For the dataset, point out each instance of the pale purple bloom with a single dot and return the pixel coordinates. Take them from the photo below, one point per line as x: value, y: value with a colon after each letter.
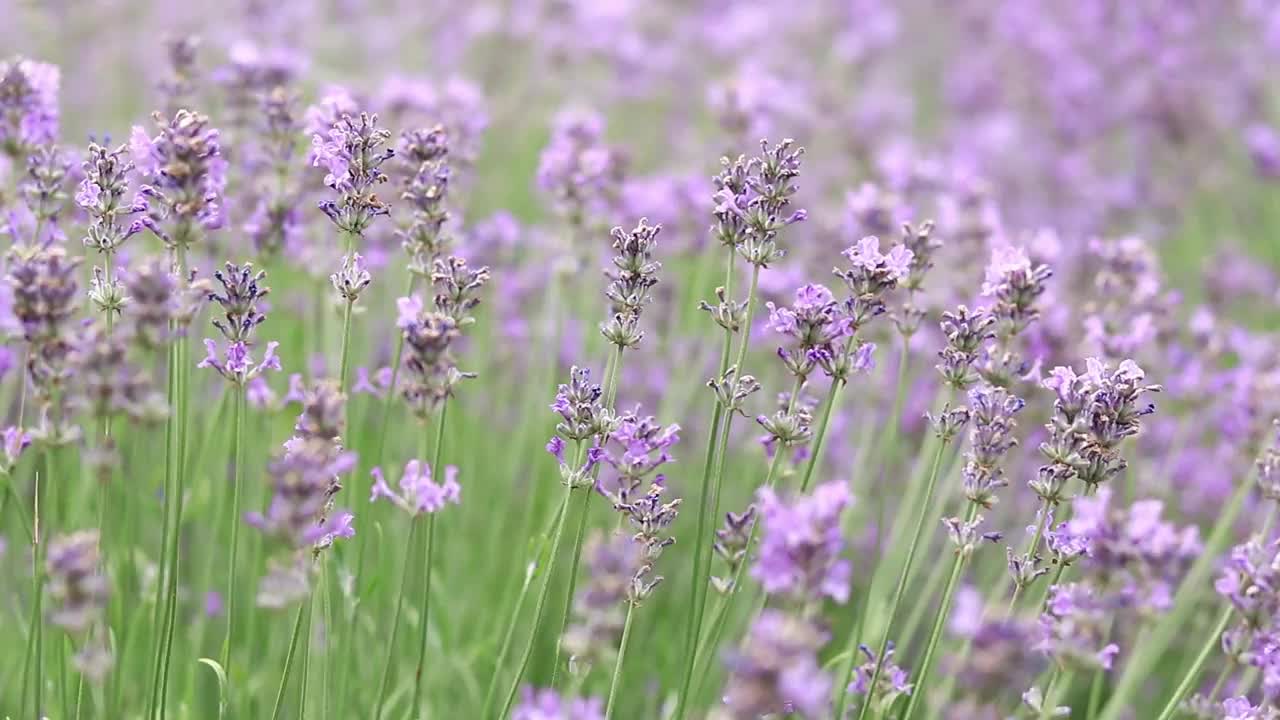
x: 236, y: 363
x: 28, y: 105
x: 776, y: 670
x: 546, y: 704
x: 15, y: 441
x: 801, y: 544
x: 419, y: 493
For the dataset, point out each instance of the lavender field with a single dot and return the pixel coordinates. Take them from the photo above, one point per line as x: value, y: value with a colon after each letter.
x: 640, y: 360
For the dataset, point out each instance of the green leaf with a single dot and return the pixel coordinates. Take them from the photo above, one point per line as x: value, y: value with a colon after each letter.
x: 222, y: 683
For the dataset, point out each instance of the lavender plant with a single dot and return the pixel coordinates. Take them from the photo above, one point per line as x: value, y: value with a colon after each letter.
x: 1075, y: 213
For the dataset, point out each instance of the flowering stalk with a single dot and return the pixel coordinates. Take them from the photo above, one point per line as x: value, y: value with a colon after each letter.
x: 944, y: 612
x: 898, y: 593
x: 1192, y: 676
x: 617, y: 667
x: 425, y: 612
x: 753, y: 204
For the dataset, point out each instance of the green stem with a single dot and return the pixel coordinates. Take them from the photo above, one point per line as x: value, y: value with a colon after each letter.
x: 1030, y: 554
x: 614, y: 369
x: 405, y: 574
x: 574, y: 561
x: 35, y: 635
x: 288, y: 658
x: 719, y: 618
x: 940, y: 620
x: 851, y: 644
x: 513, y: 620
x: 697, y: 587
x: 237, y: 452
x: 1153, y: 644
x: 617, y: 666
x: 426, y: 570
x: 1095, y: 692
x: 833, y: 399
x: 343, y: 365
x: 1193, y: 673
x: 539, y: 607
x: 1059, y: 683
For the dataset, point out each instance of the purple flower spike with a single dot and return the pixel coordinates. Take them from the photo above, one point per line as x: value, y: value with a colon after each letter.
x: 419, y: 493
x: 801, y: 544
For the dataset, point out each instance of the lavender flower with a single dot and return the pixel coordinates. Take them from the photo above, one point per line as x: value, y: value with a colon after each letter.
x: 28, y: 105
x: 44, y: 293
x: 424, y: 155
x: 1139, y: 556
x: 458, y: 288
x: 187, y: 174
x: 13, y: 441
x: 753, y: 201
x: 179, y: 86
x: 637, y: 448
x: 776, y: 671
x: 431, y: 371
x: 101, y: 194
x: 578, y: 170
x: 871, y: 276
x: 651, y: 518
x: 891, y: 685
x: 1240, y: 708
x: 351, y: 152
x: 430, y: 334
x: 1074, y: 626
x: 1250, y: 581
x: 275, y: 222
x: 801, y: 545
x: 78, y: 594
x: 991, y: 436
x: 731, y: 546
x: 612, y: 565
x: 352, y: 278
x: 582, y: 414
x: 1109, y: 411
x: 419, y: 493
x: 105, y: 378
x: 161, y: 304
x: 1016, y: 285
x: 546, y: 704
x: 237, y: 364
x: 813, y: 321
x: 633, y: 275
x: 44, y: 191
x: 306, y: 477
x: 966, y: 331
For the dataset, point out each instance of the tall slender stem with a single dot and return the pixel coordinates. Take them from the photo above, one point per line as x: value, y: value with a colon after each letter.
x: 540, y: 606
x: 288, y: 658
x: 719, y: 617
x: 696, y: 586
x: 514, y: 619
x: 426, y: 569
x: 702, y: 548
x: 1192, y: 675
x: 612, y: 374
x: 940, y: 619
x: 833, y: 399
x: 1153, y: 644
x: 237, y: 452
x: 617, y: 666
x: 343, y: 363
x: 1059, y: 683
x: 898, y: 593
x: 405, y: 574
